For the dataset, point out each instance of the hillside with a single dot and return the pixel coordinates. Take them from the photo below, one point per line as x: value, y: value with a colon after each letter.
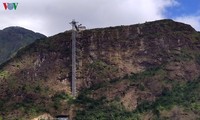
x: 14, y: 38
x: 144, y: 71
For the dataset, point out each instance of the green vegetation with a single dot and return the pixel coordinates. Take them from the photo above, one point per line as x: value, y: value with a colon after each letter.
x: 4, y: 74
x: 29, y: 99
x: 195, y: 37
x: 183, y: 56
x: 36, y: 103
x: 186, y: 95
x: 147, y: 74
x: 101, y: 70
x: 59, y: 97
x: 102, y: 110
x: 32, y: 105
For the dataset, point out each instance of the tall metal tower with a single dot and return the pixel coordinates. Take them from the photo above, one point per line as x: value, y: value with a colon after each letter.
x: 74, y: 29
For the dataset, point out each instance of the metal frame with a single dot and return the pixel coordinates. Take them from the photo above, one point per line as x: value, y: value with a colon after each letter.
x: 74, y: 29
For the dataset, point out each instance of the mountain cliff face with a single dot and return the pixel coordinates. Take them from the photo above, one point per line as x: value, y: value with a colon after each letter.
x: 143, y: 71
x: 14, y: 38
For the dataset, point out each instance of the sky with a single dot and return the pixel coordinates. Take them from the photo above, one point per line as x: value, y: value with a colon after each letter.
x: 51, y: 17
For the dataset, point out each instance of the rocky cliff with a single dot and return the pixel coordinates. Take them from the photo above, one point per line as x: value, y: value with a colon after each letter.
x: 143, y: 71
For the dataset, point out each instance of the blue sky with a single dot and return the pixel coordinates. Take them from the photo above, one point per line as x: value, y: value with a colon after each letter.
x: 187, y: 11
x: 184, y: 8
x: 53, y: 16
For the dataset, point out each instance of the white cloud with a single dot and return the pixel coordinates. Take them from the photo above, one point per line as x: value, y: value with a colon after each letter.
x: 53, y: 16
x: 193, y: 20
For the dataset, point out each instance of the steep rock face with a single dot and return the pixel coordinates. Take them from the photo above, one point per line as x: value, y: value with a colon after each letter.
x: 43, y: 69
x: 14, y: 38
x: 130, y: 49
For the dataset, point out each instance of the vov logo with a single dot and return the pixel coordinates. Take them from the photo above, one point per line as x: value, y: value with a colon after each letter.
x: 10, y: 6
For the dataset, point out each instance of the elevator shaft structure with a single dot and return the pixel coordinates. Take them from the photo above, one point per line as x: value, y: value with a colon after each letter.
x: 73, y: 82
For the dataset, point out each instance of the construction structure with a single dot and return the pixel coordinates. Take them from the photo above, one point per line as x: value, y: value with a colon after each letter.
x: 73, y: 82
x: 75, y: 29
